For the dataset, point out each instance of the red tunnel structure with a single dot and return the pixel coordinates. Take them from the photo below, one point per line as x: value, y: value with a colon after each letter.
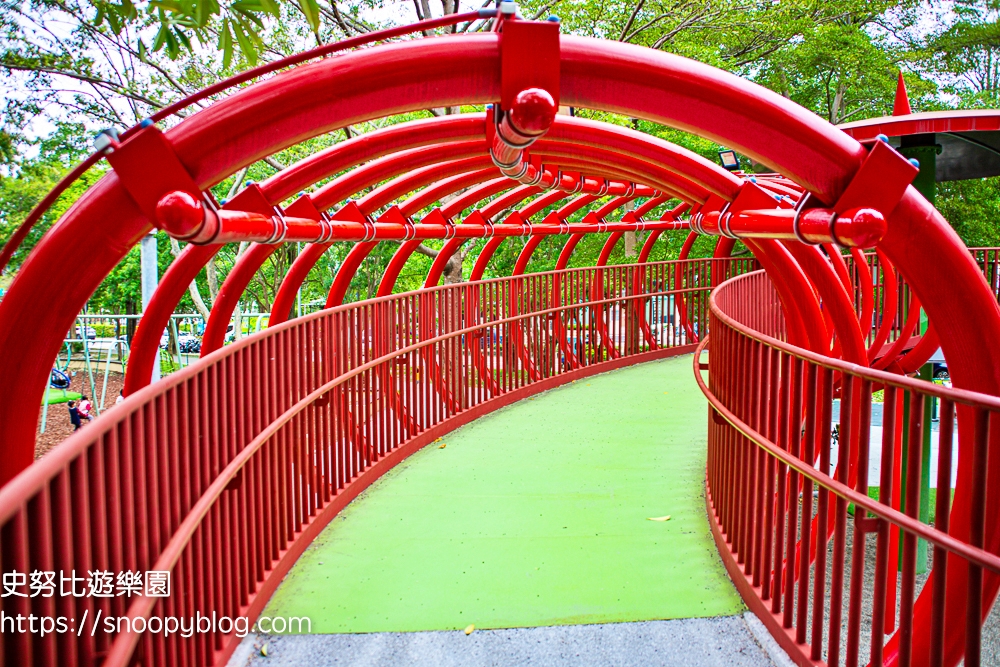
x: 224, y: 472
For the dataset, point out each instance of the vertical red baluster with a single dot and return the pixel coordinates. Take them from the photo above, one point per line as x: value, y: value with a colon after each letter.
x: 883, y: 549
x: 794, y: 442
x: 942, y: 509
x: 913, y: 463
x: 808, y: 456
x: 822, y: 511
x: 977, y: 528
x: 858, y: 554
x: 782, y: 441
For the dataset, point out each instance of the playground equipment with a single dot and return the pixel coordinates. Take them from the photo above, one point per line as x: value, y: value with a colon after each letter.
x: 58, y: 378
x: 224, y: 472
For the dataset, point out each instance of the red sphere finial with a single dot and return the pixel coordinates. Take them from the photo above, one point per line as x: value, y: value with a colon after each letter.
x: 533, y: 111
x: 179, y: 213
x: 860, y: 228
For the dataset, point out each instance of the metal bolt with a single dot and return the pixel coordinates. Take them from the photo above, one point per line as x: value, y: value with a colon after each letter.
x: 915, y: 162
x: 105, y: 140
x: 883, y: 138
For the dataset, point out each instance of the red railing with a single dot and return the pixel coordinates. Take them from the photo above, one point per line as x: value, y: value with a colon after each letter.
x: 222, y: 473
x: 772, y: 450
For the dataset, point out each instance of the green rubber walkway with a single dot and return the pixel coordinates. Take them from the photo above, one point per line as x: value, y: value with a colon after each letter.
x: 535, y: 515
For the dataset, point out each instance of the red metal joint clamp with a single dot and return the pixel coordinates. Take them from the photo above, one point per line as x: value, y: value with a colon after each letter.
x: 325, y: 227
x: 449, y: 229
x: 410, y: 230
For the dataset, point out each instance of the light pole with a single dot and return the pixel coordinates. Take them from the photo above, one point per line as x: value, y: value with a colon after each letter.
x: 148, y: 271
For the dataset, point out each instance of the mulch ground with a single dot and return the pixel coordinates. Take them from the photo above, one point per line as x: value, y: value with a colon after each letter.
x: 57, y: 426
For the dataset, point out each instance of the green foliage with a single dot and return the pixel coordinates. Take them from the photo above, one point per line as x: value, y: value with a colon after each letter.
x: 113, y: 62
x: 968, y: 52
x: 30, y: 177
x: 973, y: 209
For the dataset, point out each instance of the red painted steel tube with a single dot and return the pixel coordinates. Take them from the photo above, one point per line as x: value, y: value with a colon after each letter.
x: 808, y: 152
x: 229, y: 295
x: 891, y: 355
x: 249, y: 226
x: 488, y: 213
x: 857, y: 228
x: 867, y: 286
x: 357, y: 179
x: 888, y: 310
x: 318, y: 52
x: 318, y: 166
x: 422, y: 200
x: 144, y: 351
x: 647, y: 248
x: 342, y: 281
x: 706, y: 175
x: 447, y: 187
x: 370, y: 147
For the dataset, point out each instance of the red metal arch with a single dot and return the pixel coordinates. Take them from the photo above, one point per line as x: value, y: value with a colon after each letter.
x: 608, y: 76
x: 404, y: 136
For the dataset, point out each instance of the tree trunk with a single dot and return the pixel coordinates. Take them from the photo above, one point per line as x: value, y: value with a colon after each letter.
x: 453, y: 269
x: 237, y: 323
x: 630, y: 236
x: 212, y: 273
x: 199, y: 303
x: 838, y: 103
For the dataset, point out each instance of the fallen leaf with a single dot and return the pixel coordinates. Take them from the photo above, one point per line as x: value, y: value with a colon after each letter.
x: 443, y: 446
x: 659, y: 518
x: 263, y: 650
x: 469, y: 629
x: 438, y: 439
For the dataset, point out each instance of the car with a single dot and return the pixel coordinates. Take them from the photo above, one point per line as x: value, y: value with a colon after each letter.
x: 89, y: 332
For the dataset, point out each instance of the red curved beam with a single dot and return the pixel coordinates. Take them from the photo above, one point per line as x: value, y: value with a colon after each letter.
x: 229, y: 295
x: 890, y: 291
x: 690, y: 166
x: 145, y: 344
x: 383, y: 169
x: 145, y: 349
x: 422, y: 200
x: 867, y: 286
x: 372, y: 146
x: 647, y: 248
x: 597, y: 285
x: 425, y: 167
x: 489, y: 212
x: 606, y: 76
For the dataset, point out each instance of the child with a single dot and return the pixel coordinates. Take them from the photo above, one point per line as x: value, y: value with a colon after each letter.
x: 85, y: 408
x: 121, y: 397
x: 74, y: 415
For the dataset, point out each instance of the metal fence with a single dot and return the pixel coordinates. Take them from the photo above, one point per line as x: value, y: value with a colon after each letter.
x: 223, y: 472
x: 781, y: 478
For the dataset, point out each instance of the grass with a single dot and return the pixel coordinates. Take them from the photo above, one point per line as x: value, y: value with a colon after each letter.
x: 873, y: 493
